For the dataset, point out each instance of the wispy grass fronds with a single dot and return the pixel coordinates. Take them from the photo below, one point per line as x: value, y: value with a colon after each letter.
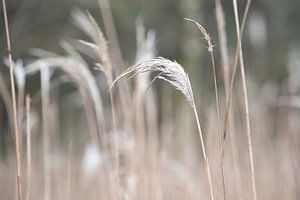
x: 83, y: 79
x: 174, y: 74
x: 88, y: 24
x: 168, y: 71
x: 14, y: 105
x: 110, y: 30
x: 104, y: 63
x: 204, y: 33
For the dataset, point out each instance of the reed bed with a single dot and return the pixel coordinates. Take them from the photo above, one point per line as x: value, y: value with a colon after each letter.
x: 93, y: 128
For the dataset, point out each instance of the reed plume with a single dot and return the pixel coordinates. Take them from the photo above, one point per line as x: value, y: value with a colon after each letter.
x: 173, y: 73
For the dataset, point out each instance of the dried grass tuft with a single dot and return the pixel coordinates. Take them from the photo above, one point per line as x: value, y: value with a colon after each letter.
x: 174, y: 74
x: 169, y: 71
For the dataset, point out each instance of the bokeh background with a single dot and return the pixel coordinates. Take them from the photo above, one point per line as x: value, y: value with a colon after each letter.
x: 272, y: 59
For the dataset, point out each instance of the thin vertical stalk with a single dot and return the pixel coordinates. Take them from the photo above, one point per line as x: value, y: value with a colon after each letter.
x: 14, y: 104
x: 110, y: 30
x: 208, y: 171
x: 220, y: 18
x: 212, y: 58
x: 233, y: 74
x: 28, y: 147
x: 45, y: 87
x: 115, y: 140
x: 218, y: 118
x: 68, y: 179
x: 246, y: 104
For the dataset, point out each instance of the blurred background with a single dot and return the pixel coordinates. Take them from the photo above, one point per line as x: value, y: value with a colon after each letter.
x: 271, y: 45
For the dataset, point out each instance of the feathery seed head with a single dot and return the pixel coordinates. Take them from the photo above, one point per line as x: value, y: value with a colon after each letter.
x: 169, y: 71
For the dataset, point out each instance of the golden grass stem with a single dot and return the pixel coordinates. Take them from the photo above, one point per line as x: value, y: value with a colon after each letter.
x: 14, y: 104
x: 246, y: 104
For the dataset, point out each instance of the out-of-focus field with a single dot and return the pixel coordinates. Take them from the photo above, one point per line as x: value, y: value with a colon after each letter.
x: 83, y: 136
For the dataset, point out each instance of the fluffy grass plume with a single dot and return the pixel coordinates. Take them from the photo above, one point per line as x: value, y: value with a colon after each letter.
x: 173, y: 73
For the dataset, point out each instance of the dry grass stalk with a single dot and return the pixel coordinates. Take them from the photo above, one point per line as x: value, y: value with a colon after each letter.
x: 69, y: 169
x: 111, y: 33
x: 212, y: 58
x: 118, y: 62
x: 86, y: 83
x: 233, y: 74
x: 245, y: 93
x: 88, y: 24
x: 14, y: 104
x: 28, y: 148
x: 45, y: 88
x: 174, y: 74
x: 236, y: 58
x: 220, y: 18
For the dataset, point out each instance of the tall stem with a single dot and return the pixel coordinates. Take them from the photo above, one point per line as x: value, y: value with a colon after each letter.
x: 204, y: 152
x: 45, y: 87
x: 115, y: 139
x: 218, y: 120
x: 28, y: 144
x: 14, y: 104
x: 246, y: 105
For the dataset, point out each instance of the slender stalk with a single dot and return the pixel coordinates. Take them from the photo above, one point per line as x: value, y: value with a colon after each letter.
x: 212, y: 58
x: 116, y: 147
x: 208, y: 171
x: 28, y: 145
x: 14, y: 104
x: 69, y: 180
x: 109, y: 26
x: 228, y: 116
x: 246, y: 105
x: 118, y: 63
x: 220, y: 18
x: 222, y: 43
x: 236, y: 58
x: 218, y: 118
x: 45, y: 86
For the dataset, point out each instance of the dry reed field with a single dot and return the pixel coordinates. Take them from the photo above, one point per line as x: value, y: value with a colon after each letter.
x: 86, y: 122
